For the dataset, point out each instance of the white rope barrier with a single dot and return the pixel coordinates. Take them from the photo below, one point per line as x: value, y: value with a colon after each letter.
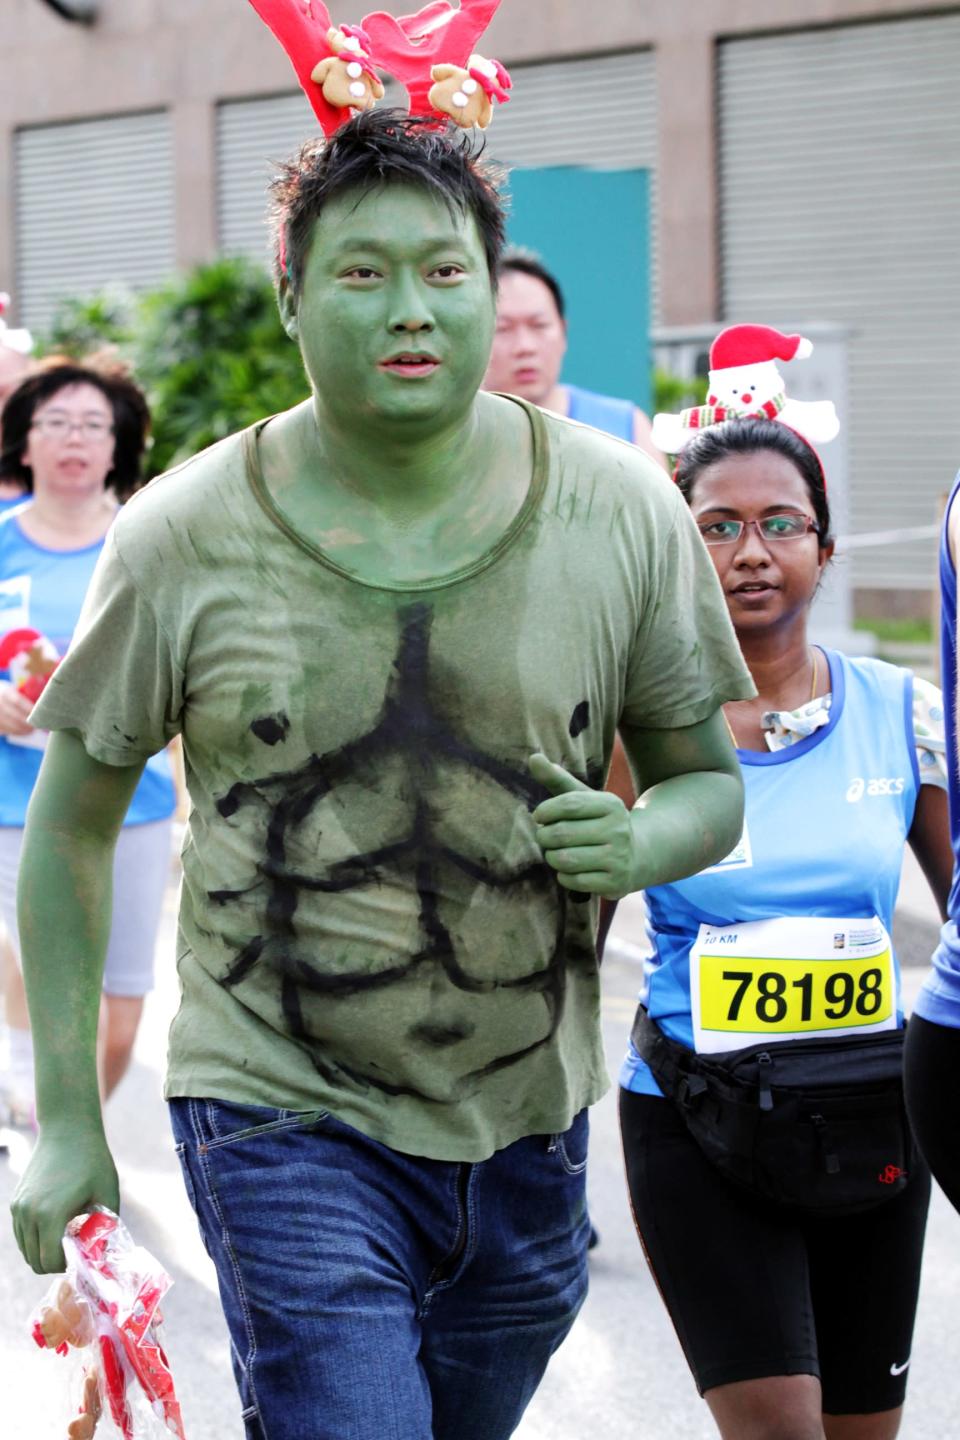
x: 873, y: 538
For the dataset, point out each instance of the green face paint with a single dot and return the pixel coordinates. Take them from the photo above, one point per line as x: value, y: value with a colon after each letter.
x: 396, y: 312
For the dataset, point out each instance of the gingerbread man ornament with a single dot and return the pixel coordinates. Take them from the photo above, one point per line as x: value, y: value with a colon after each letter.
x: 69, y: 1322
x: 91, y: 1408
x: 347, y: 77
x: 467, y: 94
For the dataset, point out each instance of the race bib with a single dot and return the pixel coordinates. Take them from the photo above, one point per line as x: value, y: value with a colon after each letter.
x: 799, y: 976
x: 15, y: 603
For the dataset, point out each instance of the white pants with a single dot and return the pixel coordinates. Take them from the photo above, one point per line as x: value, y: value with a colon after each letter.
x: 141, y: 868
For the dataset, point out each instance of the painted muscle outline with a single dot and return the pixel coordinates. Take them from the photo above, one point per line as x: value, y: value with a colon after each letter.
x: 411, y: 725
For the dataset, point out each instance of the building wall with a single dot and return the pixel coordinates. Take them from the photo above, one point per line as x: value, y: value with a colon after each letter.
x: 188, y: 54
x: 184, y: 57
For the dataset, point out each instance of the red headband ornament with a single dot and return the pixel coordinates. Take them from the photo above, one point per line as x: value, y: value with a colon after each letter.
x: 347, y: 78
x: 430, y: 53
x: 467, y: 95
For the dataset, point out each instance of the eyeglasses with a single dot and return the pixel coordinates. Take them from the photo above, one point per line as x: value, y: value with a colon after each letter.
x: 770, y: 528
x: 58, y: 427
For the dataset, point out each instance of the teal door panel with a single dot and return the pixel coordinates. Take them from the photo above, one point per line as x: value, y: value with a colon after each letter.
x: 592, y: 230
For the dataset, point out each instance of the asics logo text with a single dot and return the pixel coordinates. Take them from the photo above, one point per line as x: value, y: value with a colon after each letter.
x: 883, y: 785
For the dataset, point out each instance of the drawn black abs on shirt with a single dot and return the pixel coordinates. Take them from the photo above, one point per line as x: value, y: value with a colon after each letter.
x: 410, y: 728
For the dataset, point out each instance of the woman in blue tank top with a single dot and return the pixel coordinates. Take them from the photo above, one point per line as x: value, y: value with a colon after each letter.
x: 73, y: 436
x: 786, y: 1315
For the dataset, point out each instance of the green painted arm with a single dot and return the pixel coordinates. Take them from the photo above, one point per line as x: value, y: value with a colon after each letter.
x: 689, y: 814
x: 64, y: 906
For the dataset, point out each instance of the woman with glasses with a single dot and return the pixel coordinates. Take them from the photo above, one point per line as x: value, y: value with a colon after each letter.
x: 73, y: 437
x: 795, y: 1325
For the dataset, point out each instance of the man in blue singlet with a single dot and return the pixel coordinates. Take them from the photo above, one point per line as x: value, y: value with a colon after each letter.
x: 528, y: 351
x: 932, y: 1060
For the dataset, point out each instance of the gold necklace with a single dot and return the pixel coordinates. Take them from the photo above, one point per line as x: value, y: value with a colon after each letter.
x: 813, y: 694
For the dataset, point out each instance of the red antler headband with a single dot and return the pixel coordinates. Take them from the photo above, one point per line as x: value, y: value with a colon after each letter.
x: 431, y: 53
x: 302, y: 30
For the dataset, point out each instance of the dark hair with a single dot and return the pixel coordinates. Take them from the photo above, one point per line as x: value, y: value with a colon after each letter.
x: 378, y: 148
x: 745, y: 437
x: 131, y: 417
x: 527, y: 262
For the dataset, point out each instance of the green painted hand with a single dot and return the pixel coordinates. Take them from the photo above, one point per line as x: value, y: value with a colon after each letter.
x: 70, y: 1171
x: 587, y: 836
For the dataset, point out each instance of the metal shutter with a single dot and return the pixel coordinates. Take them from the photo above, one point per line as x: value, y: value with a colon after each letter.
x: 94, y: 207
x: 600, y: 113
x: 252, y: 136
x: 840, y: 200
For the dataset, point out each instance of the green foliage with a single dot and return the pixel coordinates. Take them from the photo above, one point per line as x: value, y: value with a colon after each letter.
x: 207, y: 347
x: 672, y: 393
x: 214, y: 357
x: 81, y: 326
x: 898, y: 630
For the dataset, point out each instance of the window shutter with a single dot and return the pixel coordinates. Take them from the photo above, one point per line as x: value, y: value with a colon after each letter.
x: 94, y: 207
x: 840, y: 201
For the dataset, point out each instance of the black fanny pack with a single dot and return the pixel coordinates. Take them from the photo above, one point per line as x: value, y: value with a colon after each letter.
x: 816, y: 1124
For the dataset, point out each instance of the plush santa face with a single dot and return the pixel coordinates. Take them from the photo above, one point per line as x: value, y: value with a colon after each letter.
x: 745, y: 387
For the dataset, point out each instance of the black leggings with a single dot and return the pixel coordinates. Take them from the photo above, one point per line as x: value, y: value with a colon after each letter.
x: 756, y: 1290
x: 931, y: 1077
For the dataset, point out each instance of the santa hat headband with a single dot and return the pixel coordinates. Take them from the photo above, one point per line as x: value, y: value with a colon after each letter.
x: 431, y: 53
x: 746, y: 384
x: 756, y: 344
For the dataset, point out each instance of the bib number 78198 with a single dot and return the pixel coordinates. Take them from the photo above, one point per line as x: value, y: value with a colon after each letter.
x: 840, y: 979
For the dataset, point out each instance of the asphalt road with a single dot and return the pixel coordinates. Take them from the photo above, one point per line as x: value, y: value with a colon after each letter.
x: 620, y: 1372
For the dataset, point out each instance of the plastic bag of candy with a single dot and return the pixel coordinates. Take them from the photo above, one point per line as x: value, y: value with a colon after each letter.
x: 105, y: 1313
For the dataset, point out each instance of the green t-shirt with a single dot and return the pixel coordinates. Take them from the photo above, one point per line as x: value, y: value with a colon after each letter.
x: 367, y: 925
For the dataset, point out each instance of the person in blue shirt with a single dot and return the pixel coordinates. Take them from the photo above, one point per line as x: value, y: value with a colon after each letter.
x: 932, y: 1058
x: 793, y: 1324
x: 528, y: 350
x: 73, y: 437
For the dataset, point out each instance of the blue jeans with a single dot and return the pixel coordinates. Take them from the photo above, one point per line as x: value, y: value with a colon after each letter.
x: 373, y: 1295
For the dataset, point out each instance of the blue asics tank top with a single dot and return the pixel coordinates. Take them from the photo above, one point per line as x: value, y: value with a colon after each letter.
x: 939, y: 1000
x: 825, y: 825
x: 603, y: 412
x: 43, y: 590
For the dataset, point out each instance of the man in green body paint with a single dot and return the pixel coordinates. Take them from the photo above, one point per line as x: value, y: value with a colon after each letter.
x: 364, y: 616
